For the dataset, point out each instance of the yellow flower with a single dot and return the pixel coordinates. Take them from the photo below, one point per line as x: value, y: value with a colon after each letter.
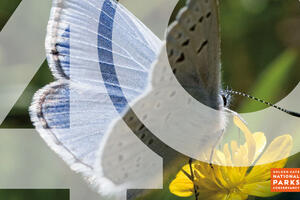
x: 230, y: 178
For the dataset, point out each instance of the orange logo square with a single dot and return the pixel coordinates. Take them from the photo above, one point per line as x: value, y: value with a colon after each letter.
x: 285, y: 180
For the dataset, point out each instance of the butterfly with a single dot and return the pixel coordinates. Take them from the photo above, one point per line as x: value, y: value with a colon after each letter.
x: 117, y: 107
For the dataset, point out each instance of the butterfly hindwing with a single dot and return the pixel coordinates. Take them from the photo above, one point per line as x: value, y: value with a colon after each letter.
x: 193, y: 45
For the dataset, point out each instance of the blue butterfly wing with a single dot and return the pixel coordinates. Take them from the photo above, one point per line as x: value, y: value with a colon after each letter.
x: 101, y: 55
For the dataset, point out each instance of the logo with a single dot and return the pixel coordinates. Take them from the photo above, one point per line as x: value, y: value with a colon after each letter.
x: 285, y: 180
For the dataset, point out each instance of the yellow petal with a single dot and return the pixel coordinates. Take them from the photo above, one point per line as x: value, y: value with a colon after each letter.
x: 279, y: 149
x: 219, y: 158
x: 260, y: 141
x: 182, y: 186
x: 227, y: 155
x: 259, y: 189
x: 234, y: 176
x: 209, y: 179
x: 185, y: 168
x: 237, y: 196
x: 251, y: 145
x: 236, y: 159
x: 261, y: 173
x: 231, y: 176
x: 220, y: 175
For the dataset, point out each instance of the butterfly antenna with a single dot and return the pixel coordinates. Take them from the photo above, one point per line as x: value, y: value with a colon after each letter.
x: 232, y: 92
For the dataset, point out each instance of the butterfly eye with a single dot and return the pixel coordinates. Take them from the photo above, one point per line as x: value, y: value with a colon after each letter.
x: 225, y: 100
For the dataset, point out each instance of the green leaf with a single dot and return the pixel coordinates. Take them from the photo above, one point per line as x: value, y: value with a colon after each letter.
x: 269, y: 82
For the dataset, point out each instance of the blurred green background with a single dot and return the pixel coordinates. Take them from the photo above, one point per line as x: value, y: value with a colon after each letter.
x: 22, y: 194
x: 260, y: 56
